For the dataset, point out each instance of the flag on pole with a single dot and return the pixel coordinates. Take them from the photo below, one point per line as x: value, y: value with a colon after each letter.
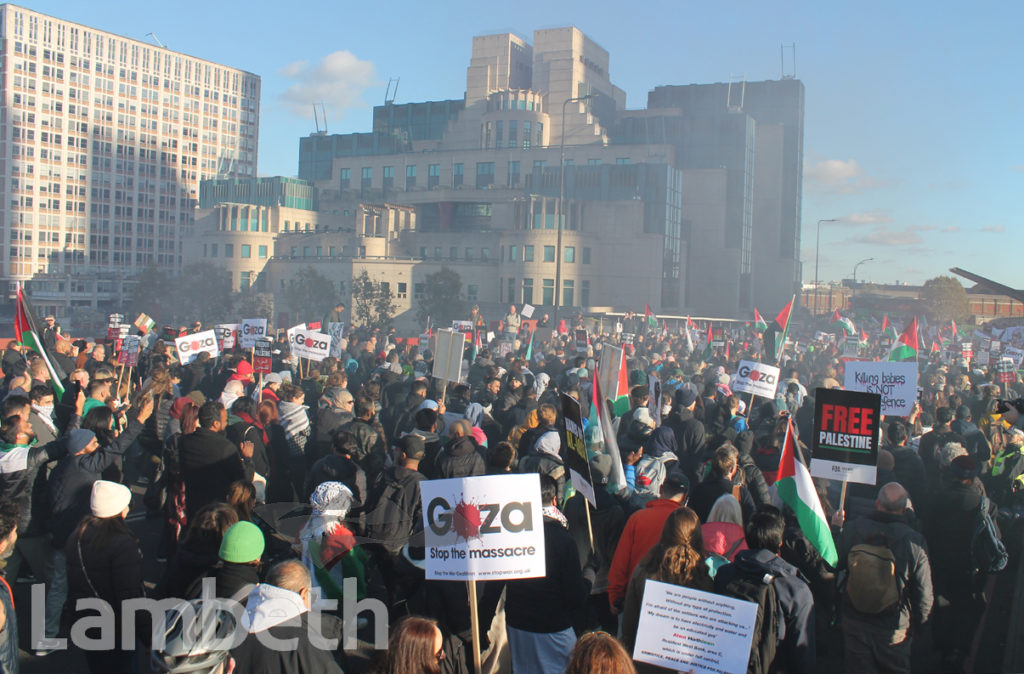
x: 651, y: 320
x: 26, y: 330
x: 796, y: 489
x: 775, y: 335
x: 905, y: 348
x: 689, y: 338
x: 664, y: 329
x: 690, y: 324
x: 759, y: 324
x: 477, y: 344
x: 955, y: 336
x: 863, y: 337
x: 600, y: 430
x: 935, y: 347
x: 620, y: 396
x: 708, y: 351
x: 842, y: 323
x: 529, y: 347
x: 885, y: 323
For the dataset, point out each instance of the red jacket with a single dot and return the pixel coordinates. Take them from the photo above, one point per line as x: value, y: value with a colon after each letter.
x: 643, y: 529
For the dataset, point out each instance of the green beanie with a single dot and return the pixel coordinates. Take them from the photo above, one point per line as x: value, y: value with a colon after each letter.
x: 637, y: 378
x: 243, y: 543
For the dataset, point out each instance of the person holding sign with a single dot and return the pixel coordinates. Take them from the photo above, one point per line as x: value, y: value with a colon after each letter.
x: 539, y: 611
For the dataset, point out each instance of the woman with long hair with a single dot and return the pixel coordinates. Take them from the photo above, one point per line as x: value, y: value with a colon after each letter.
x: 279, y: 488
x: 416, y: 646
x: 242, y: 497
x: 600, y: 653
x: 677, y: 558
x: 197, y: 552
x: 104, y: 561
x: 183, y: 419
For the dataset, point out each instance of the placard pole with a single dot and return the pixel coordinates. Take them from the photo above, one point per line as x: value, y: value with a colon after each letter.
x: 259, y: 398
x: 842, y: 502
x: 590, y: 527
x: 474, y: 622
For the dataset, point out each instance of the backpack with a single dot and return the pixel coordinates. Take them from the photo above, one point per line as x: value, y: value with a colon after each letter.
x: 988, y: 553
x: 767, y: 627
x: 872, y: 586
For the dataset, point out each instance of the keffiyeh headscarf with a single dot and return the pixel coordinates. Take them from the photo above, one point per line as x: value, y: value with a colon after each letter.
x: 540, y: 383
x: 331, y: 502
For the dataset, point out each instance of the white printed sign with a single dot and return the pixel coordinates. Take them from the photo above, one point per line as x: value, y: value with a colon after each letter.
x: 895, y: 382
x: 693, y: 631
x: 527, y: 311
x: 448, y: 355
x: 336, y: 332
x: 190, y: 346
x: 1014, y: 354
x: 309, y: 344
x: 483, y: 528
x: 227, y: 335
x: 756, y: 378
x: 462, y: 326
x: 251, y: 329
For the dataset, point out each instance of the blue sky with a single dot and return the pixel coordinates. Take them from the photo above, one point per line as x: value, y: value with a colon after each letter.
x: 912, y: 119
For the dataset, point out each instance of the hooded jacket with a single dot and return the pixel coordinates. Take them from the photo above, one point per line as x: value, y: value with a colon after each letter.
x: 21, y: 482
x: 642, y: 531
x: 460, y: 458
x: 796, y: 649
x: 284, y: 615
x: 297, y: 429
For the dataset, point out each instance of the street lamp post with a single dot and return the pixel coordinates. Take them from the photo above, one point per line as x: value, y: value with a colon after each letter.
x: 561, y: 208
x: 817, y: 253
x: 867, y: 259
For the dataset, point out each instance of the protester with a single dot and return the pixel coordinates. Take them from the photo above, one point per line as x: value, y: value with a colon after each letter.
x: 8, y: 620
x: 327, y: 547
x: 199, y: 549
x: 196, y: 636
x: 209, y: 461
x: 416, y: 646
x: 599, y: 652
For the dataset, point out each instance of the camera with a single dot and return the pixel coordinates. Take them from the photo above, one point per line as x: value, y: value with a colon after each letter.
x: 1003, y: 406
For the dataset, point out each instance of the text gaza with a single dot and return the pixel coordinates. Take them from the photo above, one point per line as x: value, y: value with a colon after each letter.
x: 440, y: 517
x: 756, y: 375
x: 310, y: 342
x: 197, y: 344
x: 249, y: 329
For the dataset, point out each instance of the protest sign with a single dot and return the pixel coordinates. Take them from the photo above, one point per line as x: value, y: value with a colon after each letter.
x: 227, y: 335
x: 966, y: 350
x: 1007, y: 371
x: 502, y: 348
x: 114, y: 326
x: 996, y: 346
x: 190, y: 346
x: 581, y: 340
x: 144, y: 323
x: 895, y: 382
x: 263, y: 356
x: 309, y: 344
x: 627, y: 337
x: 313, y: 325
x: 756, y: 378
x: 851, y: 347
x: 1014, y: 354
x: 984, y: 344
x: 694, y: 631
x: 844, y: 445
x: 129, y: 354
x: 527, y: 311
x: 336, y: 331
x: 251, y: 329
x: 717, y: 337
x: 609, y: 370
x: 483, y: 528
x: 576, y: 449
x: 448, y: 355
x: 462, y: 326
x: 982, y: 358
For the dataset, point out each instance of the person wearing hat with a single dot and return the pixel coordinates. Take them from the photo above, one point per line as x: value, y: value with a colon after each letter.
x: 689, y: 431
x: 338, y: 466
x: 50, y: 332
x: 326, y: 545
x: 104, y: 562
x: 239, y: 567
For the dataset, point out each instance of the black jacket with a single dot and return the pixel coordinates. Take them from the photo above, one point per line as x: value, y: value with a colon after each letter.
x: 949, y: 530
x: 460, y: 458
x: 707, y: 492
x: 393, y: 508
x: 243, y: 431
x: 546, y: 605
x: 22, y: 482
x: 253, y: 657
x: 689, y: 439
x: 184, y: 568
x: 335, y: 468
x: 607, y: 522
x: 328, y: 421
x: 209, y: 464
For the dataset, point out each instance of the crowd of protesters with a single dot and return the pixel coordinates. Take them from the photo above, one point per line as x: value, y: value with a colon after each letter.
x: 217, y: 462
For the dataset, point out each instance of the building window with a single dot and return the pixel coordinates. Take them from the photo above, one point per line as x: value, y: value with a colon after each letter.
x: 437, y: 252
x: 229, y: 250
x: 418, y: 289
x: 549, y: 253
x: 527, y: 137
x: 485, y: 253
x: 245, y: 280
x: 295, y: 251
x: 540, y: 134
x: 453, y: 253
x: 484, y: 174
x: 262, y: 252
x: 469, y: 254
x: 410, y: 177
x: 567, y: 292
x: 423, y: 252
x: 389, y: 177
x: 213, y: 250
x: 549, y: 221
x: 331, y: 251
x: 528, y: 290
x: 346, y: 178
x: 513, y: 253
x: 402, y: 291
x: 246, y: 251
x: 472, y: 291
x: 457, y: 174
x: 621, y: 160
x: 513, y: 133
x: 511, y: 290
x: 498, y: 134
x: 367, y: 177
x: 513, y: 173
x: 570, y: 254
x: 527, y: 253
x: 548, y: 291
x: 433, y: 175
x: 585, y: 293
x: 593, y: 162
x: 306, y: 251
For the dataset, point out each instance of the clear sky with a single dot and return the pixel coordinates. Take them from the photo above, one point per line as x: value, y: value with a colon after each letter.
x: 912, y: 120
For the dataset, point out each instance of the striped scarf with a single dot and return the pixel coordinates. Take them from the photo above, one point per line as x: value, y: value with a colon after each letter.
x: 295, y: 422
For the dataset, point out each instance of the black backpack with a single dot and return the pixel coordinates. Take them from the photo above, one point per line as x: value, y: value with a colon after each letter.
x: 988, y: 553
x: 767, y: 628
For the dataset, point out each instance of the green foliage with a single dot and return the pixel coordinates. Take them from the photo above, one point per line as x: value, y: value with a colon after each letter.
x: 945, y: 299
x: 373, y: 304
x: 442, y: 298
x: 310, y: 296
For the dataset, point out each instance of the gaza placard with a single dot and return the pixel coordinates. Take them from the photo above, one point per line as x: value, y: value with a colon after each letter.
x: 251, y: 329
x: 484, y: 528
x: 309, y: 344
x: 895, y: 382
x: 190, y: 346
x: 756, y: 378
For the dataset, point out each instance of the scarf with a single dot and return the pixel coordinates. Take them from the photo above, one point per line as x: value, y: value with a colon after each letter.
x: 45, y: 415
x: 552, y: 512
x: 293, y: 419
x: 331, y: 503
x: 255, y: 422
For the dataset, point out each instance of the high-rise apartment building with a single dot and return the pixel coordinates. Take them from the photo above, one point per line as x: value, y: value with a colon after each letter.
x: 103, y: 143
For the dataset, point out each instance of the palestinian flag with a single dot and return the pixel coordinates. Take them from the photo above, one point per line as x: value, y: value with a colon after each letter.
x: 885, y: 324
x: 759, y: 324
x: 652, y: 322
x: 620, y: 396
x: 863, y: 337
x: 796, y: 490
x: 664, y: 329
x: 955, y: 335
x: 935, y: 347
x: 842, y: 323
x: 689, y: 337
x: 145, y: 324
x: 476, y: 346
x: 708, y: 350
x: 775, y: 335
x: 27, y: 332
x: 600, y: 436
x: 905, y: 348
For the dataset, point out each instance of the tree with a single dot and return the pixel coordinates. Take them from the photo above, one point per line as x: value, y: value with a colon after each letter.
x: 250, y: 304
x: 373, y: 305
x: 150, y: 296
x: 201, y: 293
x: 308, y: 297
x: 944, y: 300
x: 442, y: 298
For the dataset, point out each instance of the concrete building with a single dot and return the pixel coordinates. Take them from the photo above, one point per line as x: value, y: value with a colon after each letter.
x: 691, y: 205
x: 103, y: 143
